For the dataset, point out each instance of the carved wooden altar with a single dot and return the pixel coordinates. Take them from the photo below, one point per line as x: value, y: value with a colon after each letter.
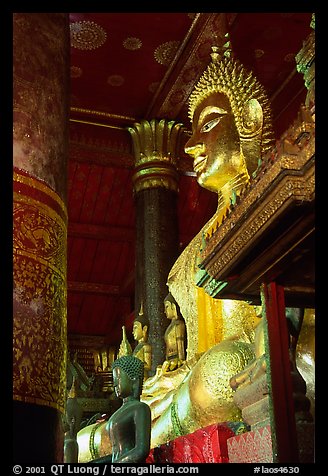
x: 263, y: 252
x: 269, y: 235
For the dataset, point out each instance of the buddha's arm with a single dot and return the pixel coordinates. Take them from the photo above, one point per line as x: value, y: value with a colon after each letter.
x: 257, y: 366
x: 179, y: 358
x: 147, y: 357
x: 180, y: 342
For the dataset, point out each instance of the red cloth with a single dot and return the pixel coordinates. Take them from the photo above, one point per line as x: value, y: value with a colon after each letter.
x: 206, y: 445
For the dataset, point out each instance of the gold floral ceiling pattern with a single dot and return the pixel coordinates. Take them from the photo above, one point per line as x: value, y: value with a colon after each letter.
x: 87, y: 35
x: 165, y: 53
x: 132, y: 43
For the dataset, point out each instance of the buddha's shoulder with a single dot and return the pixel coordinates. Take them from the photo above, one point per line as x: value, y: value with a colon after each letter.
x: 190, y: 253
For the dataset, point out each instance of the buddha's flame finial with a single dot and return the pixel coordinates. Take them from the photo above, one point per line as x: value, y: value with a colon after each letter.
x: 224, y: 50
x: 141, y: 309
x: 125, y: 347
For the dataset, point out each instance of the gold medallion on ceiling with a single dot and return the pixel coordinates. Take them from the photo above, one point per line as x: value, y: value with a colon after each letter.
x: 76, y: 72
x: 132, y: 43
x: 87, y: 35
x: 153, y: 86
x: 115, y: 80
x: 258, y: 53
x: 165, y: 52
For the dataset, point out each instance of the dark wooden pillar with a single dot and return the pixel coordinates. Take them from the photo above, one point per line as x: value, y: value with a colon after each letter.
x: 40, y: 145
x: 157, y: 240
x: 281, y: 405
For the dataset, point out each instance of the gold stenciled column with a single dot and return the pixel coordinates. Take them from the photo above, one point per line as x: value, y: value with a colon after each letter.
x: 155, y: 185
x: 40, y: 149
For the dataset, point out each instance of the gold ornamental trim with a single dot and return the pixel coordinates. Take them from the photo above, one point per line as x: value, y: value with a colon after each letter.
x: 40, y: 294
x: 296, y: 188
x: 102, y: 114
x: 156, y: 151
x: 156, y: 140
x: 49, y: 228
x: 155, y: 176
x: 92, y: 447
x: 18, y: 177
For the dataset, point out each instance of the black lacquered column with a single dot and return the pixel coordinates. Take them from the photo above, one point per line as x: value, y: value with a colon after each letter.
x: 155, y: 185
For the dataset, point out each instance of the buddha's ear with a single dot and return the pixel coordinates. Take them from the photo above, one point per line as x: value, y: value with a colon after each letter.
x: 252, y: 118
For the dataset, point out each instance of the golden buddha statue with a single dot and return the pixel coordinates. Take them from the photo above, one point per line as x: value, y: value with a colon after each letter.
x: 171, y: 373
x: 140, y: 333
x: 231, y: 131
x: 174, y: 336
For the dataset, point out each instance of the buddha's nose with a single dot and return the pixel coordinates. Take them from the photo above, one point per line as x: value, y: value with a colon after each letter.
x: 195, y: 150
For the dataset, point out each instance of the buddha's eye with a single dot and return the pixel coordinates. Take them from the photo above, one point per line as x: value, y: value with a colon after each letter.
x: 208, y: 126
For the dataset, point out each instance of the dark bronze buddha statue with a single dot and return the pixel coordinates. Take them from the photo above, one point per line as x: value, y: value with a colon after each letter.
x: 129, y: 427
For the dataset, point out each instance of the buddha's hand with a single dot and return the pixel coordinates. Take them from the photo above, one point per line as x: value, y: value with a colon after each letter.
x: 172, y: 364
x: 181, y: 362
x: 166, y: 366
x: 251, y: 372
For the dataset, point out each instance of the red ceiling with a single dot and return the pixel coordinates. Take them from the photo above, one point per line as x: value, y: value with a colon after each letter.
x: 121, y: 75
x: 134, y: 66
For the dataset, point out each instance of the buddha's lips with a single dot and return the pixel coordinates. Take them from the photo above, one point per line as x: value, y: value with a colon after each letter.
x: 200, y: 163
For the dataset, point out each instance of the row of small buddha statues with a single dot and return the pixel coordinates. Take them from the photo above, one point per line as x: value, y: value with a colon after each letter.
x: 213, y: 346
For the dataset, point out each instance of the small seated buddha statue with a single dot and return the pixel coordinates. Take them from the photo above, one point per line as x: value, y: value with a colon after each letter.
x: 173, y: 370
x: 143, y: 349
x: 174, y: 336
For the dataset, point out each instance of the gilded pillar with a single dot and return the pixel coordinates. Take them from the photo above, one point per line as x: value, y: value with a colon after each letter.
x: 40, y: 149
x: 155, y: 185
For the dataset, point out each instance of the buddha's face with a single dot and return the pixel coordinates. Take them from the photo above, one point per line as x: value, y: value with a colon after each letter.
x: 122, y: 383
x: 137, y: 330
x: 215, y: 143
x: 169, y: 309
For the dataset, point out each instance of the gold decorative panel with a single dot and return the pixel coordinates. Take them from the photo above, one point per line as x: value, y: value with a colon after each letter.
x: 39, y: 271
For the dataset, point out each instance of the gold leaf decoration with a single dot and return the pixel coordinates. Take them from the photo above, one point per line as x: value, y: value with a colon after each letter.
x: 87, y: 35
x: 115, y: 80
x: 76, y: 72
x: 165, y: 52
x: 132, y: 43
